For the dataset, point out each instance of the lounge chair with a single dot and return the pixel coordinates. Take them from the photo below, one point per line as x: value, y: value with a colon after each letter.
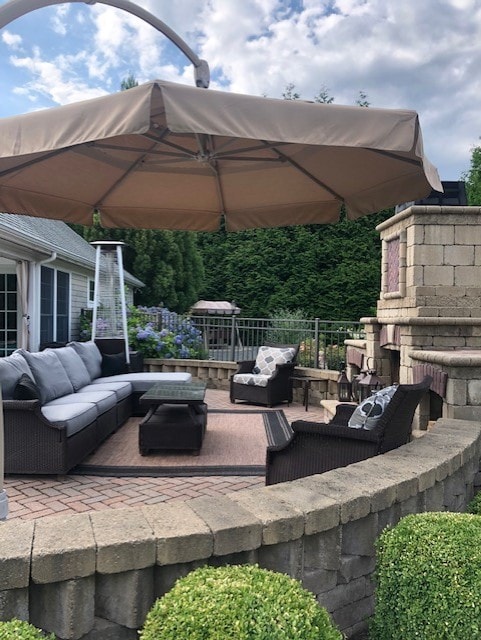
x: 316, y: 447
x: 267, y: 379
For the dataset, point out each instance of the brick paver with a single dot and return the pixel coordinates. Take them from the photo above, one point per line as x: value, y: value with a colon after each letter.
x: 33, y: 497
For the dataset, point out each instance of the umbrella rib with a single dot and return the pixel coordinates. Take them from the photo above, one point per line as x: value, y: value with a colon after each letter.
x: 157, y: 140
x: 395, y: 156
x: 261, y: 147
x: 121, y: 179
x: 24, y: 165
x: 309, y: 175
x: 111, y: 147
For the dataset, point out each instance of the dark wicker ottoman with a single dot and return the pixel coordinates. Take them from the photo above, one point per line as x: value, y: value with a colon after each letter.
x: 174, y: 427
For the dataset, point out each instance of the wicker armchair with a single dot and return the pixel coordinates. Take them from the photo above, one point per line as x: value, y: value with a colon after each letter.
x: 278, y: 387
x: 318, y: 447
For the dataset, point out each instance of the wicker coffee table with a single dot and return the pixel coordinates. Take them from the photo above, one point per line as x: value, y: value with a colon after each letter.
x: 176, y: 418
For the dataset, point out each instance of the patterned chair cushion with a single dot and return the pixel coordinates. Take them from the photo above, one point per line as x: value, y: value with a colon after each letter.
x: 256, y: 380
x: 368, y: 413
x: 269, y: 357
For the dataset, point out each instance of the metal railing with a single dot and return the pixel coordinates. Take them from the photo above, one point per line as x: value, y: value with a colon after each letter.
x: 236, y: 338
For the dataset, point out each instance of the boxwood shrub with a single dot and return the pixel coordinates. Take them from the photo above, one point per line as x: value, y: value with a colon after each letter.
x: 429, y: 579
x: 475, y: 505
x: 242, y: 602
x: 20, y: 630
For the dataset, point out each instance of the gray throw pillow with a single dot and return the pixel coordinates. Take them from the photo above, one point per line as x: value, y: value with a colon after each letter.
x: 91, y: 356
x: 49, y: 374
x: 11, y: 369
x: 74, y: 366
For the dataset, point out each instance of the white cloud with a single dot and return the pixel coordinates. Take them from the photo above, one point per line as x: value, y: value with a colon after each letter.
x: 12, y: 40
x: 59, y: 23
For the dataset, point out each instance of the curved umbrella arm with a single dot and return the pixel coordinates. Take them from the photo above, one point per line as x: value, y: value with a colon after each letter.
x: 17, y: 8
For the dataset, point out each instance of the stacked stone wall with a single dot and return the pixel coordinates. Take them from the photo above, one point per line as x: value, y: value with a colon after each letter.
x: 94, y: 576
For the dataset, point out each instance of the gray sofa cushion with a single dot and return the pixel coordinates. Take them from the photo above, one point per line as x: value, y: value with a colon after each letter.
x: 75, y: 417
x: 91, y: 356
x: 49, y: 374
x: 142, y: 381
x: 103, y: 400
x: 122, y: 389
x: 74, y: 366
x: 11, y: 369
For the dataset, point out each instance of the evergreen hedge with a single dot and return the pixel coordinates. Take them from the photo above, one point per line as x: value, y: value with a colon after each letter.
x: 238, y: 603
x: 429, y: 579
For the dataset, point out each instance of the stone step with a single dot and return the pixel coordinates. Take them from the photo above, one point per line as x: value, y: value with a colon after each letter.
x: 330, y: 407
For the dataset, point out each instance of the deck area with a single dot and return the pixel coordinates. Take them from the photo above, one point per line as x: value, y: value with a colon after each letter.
x: 33, y: 497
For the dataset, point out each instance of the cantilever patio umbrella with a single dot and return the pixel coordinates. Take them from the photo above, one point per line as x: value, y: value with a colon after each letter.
x: 169, y: 156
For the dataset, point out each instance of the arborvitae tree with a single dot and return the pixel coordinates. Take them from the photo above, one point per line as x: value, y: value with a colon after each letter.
x: 473, y: 178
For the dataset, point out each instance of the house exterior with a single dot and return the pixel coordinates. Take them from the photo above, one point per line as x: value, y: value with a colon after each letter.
x: 47, y: 276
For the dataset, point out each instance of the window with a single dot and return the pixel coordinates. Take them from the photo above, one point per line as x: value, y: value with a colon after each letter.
x: 91, y: 294
x: 54, y: 306
x: 8, y: 313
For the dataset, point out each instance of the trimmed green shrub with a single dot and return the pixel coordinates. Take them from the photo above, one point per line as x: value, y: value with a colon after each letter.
x: 429, y: 579
x: 238, y: 603
x: 20, y: 630
x: 475, y: 505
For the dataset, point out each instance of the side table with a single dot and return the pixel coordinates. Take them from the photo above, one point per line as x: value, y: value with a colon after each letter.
x: 306, y: 386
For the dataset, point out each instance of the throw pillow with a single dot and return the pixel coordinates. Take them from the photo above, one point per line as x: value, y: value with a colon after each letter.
x: 113, y: 364
x: 91, y: 356
x: 26, y: 389
x: 11, y: 368
x: 269, y: 357
x: 369, y: 412
x: 74, y: 366
x: 49, y: 374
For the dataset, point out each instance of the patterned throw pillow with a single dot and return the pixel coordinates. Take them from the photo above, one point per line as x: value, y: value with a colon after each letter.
x: 269, y: 357
x: 368, y: 413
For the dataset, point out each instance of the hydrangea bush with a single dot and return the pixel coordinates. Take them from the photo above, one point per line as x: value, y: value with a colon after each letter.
x: 178, y: 337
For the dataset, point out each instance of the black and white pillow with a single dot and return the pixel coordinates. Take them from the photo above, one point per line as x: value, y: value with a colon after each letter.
x: 369, y: 412
x: 269, y: 357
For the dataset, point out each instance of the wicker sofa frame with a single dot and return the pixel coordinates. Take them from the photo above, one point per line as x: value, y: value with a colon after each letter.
x: 316, y: 447
x: 35, y: 445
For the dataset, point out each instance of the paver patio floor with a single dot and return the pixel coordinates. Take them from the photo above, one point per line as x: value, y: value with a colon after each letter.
x: 32, y: 497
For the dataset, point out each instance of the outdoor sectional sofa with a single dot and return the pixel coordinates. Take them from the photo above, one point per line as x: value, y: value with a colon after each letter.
x: 58, y: 407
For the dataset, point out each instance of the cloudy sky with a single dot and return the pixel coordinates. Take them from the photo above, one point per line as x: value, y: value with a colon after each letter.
x: 423, y: 55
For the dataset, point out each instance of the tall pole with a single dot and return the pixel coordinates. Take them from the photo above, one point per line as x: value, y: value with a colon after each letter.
x: 16, y: 8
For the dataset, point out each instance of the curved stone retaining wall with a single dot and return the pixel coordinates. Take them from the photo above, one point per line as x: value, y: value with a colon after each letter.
x: 94, y: 576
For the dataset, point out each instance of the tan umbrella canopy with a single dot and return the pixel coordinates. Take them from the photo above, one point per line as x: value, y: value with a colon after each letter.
x: 215, y: 307
x: 169, y: 156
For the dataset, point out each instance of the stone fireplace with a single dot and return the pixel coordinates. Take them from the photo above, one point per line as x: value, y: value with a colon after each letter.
x: 429, y: 311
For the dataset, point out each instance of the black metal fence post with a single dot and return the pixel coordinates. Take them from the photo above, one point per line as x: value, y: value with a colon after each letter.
x: 316, y: 343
